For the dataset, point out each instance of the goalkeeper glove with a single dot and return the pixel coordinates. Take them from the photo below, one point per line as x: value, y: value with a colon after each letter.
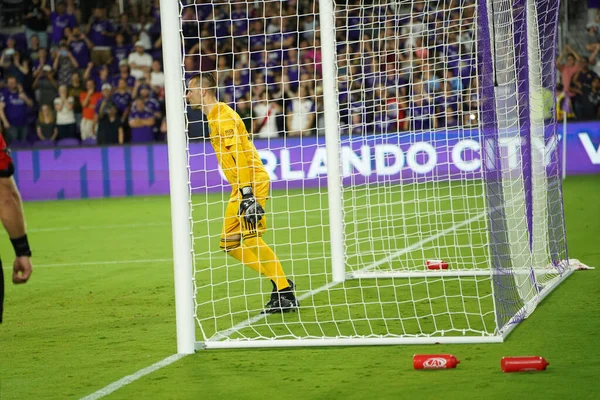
x: 249, y: 207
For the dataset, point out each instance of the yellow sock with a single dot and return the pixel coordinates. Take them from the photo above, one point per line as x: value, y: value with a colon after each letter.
x: 269, y: 262
x: 247, y: 257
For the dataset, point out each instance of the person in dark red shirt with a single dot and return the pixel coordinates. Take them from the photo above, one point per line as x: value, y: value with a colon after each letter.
x: 11, y: 214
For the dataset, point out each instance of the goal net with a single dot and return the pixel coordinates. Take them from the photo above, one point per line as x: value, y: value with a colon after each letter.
x: 412, y: 151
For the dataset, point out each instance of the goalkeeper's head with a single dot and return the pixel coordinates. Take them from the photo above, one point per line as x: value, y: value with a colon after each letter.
x: 202, y: 91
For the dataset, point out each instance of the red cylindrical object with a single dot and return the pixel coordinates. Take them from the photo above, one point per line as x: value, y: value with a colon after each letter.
x: 434, y: 361
x: 521, y: 364
x: 436, y: 264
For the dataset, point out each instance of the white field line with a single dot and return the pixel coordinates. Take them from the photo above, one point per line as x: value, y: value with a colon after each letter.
x: 105, y: 391
x: 228, y: 332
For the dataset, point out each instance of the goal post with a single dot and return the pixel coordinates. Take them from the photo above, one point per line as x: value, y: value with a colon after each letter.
x: 178, y: 179
x: 394, y: 134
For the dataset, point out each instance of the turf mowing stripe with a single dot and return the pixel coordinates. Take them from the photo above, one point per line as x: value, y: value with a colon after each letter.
x: 105, y: 391
x: 138, y: 225
x: 116, y: 262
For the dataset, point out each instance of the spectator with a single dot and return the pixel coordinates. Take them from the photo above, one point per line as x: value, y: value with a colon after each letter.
x: 46, y: 126
x: 582, y: 80
x: 569, y: 68
x: 104, y: 103
x: 157, y: 79
x: 265, y: 117
x: 143, y: 28
x: 75, y: 90
x: 141, y: 122
x: 36, y: 21
x: 592, y: 39
x: 99, y: 75
x: 110, y: 129
x: 586, y: 107
x: 139, y: 62
x: 101, y: 33
x: 45, y: 85
x: 80, y: 45
x: 120, y: 52
x: 300, y: 115
x: 123, y: 74
x: 152, y: 105
x: 122, y: 99
x: 125, y: 30
x: 64, y: 64
x: 34, y: 49
x: 14, y: 107
x: 585, y: 103
x: 89, y: 99
x: 41, y: 61
x: 14, y: 65
x: 64, y: 105
x: 60, y: 20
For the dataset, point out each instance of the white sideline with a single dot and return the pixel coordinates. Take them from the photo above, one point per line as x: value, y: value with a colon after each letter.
x: 105, y: 391
x: 228, y: 332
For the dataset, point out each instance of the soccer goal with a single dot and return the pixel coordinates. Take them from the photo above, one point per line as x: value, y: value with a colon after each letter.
x: 414, y: 163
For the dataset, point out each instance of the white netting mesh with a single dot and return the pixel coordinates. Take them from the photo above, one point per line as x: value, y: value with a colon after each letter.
x: 409, y: 103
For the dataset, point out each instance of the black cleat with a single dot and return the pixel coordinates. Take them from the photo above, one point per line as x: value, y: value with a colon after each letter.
x: 282, y: 301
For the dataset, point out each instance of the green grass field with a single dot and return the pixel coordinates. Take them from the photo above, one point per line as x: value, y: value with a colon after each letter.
x: 100, y: 306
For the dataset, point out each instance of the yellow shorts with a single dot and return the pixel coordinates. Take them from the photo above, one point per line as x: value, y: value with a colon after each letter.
x: 235, y: 228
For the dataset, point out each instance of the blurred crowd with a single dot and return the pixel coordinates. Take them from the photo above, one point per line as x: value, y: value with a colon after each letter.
x: 397, y: 71
x: 85, y: 73
x: 71, y: 78
x: 579, y: 87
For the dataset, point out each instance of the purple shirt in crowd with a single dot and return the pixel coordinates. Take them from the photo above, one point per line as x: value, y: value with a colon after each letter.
x: 120, y: 53
x: 80, y: 51
x: 15, y: 108
x: 59, y: 23
x: 114, y: 81
x: 122, y: 101
x: 96, y: 30
x: 145, y: 133
x: 152, y: 105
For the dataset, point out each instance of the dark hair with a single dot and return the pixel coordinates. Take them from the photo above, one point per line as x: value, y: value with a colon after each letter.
x: 208, y: 81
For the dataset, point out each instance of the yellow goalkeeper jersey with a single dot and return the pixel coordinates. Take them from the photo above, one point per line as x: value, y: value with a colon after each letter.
x: 226, y: 130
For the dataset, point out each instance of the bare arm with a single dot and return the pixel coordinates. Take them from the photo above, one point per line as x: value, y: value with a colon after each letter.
x: 121, y: 135
x: 38, y: 130
x: 11, y: 209
x: 310, y: 120
x: 52, y: 80
x: 3, y: 115
x: 148, y: 121
x: 25, y: 98
x: 73, y: 60
x: 13, y: 220
x: 86, y: 100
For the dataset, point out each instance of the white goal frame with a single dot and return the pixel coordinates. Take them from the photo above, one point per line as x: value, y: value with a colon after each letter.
x: 181, y: 215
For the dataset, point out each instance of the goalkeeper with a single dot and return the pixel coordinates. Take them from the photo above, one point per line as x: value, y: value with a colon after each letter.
x: 245, y: 220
